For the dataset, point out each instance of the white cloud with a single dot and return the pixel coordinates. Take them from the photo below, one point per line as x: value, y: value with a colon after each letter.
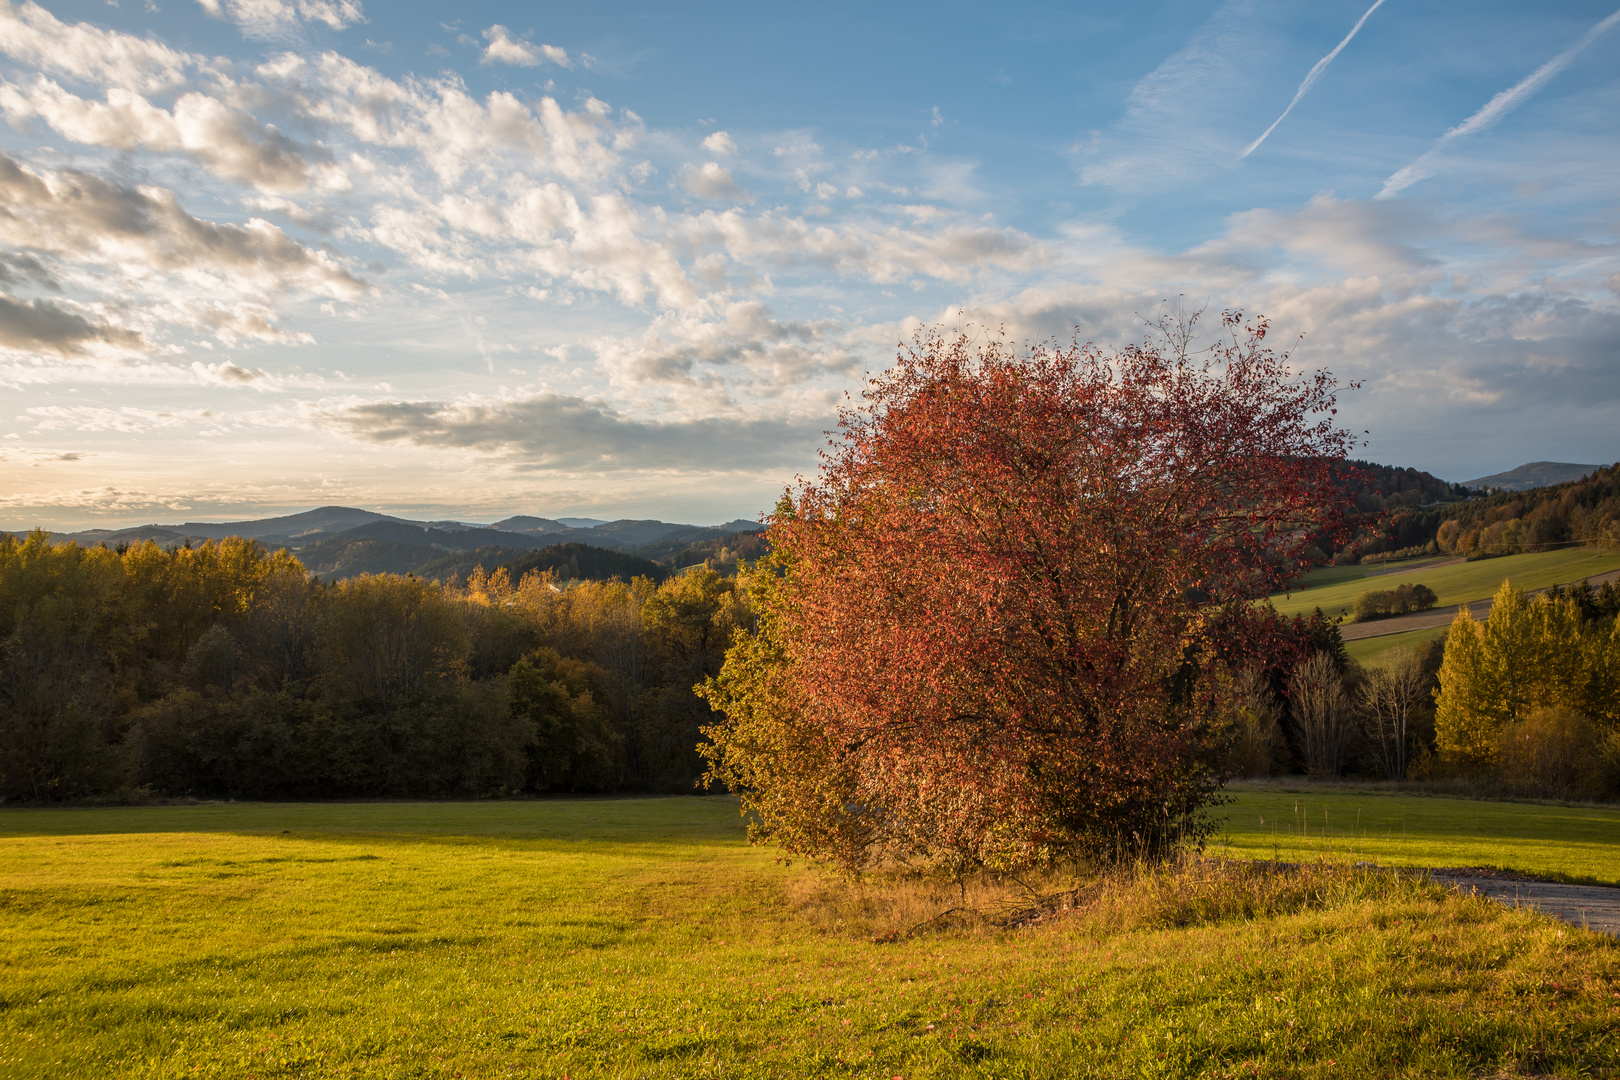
x: 230, y: 143
x: 279, y: 18
x: 451, y: 130
x: 560, y: 431
x: 713, y: 182
x: 746, y: 346
x: 1493, y: 111
x: 1177, y: 124
x: 33, y: 36
x: 505, y: 49
x: 1311, y: 77
x: 720, y: 144
x: 127, y: 419
x: 143, y: 267
x: 71, y: 213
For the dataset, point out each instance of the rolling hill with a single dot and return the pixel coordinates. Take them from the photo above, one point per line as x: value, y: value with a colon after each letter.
x: 336, y: 542
x: 1534, y: 475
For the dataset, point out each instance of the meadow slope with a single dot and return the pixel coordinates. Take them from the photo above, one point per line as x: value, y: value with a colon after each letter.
x: 644, y: 938
x: 1334, y: 589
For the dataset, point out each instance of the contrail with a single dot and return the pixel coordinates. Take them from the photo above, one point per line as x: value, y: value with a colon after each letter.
x: 1310, y: 79
x: 1494, y: 110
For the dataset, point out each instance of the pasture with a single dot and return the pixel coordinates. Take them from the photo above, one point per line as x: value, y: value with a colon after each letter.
x: 1294, y: 821
x: 1334, y: 589
x: 644, y: 938
x: 1377, y: 651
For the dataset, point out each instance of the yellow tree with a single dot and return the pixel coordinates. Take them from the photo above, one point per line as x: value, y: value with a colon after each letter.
x: 1466, y: 715
x: 1527, y: 653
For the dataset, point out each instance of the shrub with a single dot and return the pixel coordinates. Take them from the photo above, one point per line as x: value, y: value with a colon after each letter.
x: 1257, y: 741
x: 1402, y: 600
x: 1552, y: 751
x: 1416, y: 551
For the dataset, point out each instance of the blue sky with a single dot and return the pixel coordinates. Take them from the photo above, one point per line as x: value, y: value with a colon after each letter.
x: 624, y: 260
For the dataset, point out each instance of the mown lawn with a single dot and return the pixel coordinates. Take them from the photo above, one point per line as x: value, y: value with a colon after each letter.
x: 1302, y: 821
x: 643, y: 938
x: 1335, y: 591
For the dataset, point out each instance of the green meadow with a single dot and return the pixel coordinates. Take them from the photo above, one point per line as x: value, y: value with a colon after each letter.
x: 645, y: 938
x: 1334, y: 589
x: 1294, y: 821
x: 1377, y: 651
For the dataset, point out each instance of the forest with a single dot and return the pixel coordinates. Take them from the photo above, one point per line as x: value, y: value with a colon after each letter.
x: 1404, y: 515
x: 226, y: 670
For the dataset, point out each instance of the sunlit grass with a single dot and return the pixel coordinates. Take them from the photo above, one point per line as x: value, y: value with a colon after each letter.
x: 643, y: 938
x: 1378, y: 651
x: 1295, y: 821
x: 1458, y: 583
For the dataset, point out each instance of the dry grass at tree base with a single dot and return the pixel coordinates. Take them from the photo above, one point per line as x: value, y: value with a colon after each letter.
x: 644, y: 938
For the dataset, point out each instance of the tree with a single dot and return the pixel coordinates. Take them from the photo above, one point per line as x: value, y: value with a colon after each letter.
x: 997, y: 597
x: 1527, y: 653
x: 1322, y: 713
x: 1390, y: 699
x: 1258, y: 740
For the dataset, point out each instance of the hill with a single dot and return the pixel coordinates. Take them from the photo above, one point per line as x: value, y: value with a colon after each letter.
x: 1335, y: 589
x: 336, y: 542
x: 1584, y: 511
x: 574, y: 560
x: 1534, y: 475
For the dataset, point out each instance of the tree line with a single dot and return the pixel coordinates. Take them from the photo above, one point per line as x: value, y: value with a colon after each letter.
x: 1585, y: 511
x: 1393, y: 524
x: 1531, y: 693
x: 226, y: 670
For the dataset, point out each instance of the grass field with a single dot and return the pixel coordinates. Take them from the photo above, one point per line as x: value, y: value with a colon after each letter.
x: 1375, y: 651
x: 643, y: 938
x: 1302, y: 821
x: 1334, y: 589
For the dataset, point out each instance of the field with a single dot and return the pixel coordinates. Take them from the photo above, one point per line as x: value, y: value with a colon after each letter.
x: 1375, y: 651
x: 643, y: 938
x: 1334, y: 589
x: 1300, y: 821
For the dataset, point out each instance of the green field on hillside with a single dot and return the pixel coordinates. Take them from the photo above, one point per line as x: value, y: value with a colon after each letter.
x: 644, y: 938
x: 1459, y: 583
x: 1278, y: 819
x: 1376, y: 651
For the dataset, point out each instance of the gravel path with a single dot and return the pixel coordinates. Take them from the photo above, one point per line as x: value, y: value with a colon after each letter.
x: 1595, y: 907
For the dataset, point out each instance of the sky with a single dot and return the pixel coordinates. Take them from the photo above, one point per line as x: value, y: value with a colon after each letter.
x: 625, y: 260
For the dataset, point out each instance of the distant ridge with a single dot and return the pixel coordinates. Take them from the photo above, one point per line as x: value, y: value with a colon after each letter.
x: 1534, y: 475
x: 336, y: 542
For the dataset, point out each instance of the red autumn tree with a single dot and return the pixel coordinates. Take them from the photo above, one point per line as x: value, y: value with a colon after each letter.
x: 989, y: 628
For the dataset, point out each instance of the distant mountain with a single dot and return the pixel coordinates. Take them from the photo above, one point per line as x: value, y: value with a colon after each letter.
x: 324, y: 519
x: 340, y: 541
x: 523, y: 523
x: 1534, y: 475
x: 582, y: 523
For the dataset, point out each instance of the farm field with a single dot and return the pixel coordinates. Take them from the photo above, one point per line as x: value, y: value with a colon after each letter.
x: 1293, y: 821
x: 1334, y: 589
x: 644, y: 938
x: 1376, y: 651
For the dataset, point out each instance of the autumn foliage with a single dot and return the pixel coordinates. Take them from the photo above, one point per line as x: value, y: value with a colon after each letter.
x: 991, y: 630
